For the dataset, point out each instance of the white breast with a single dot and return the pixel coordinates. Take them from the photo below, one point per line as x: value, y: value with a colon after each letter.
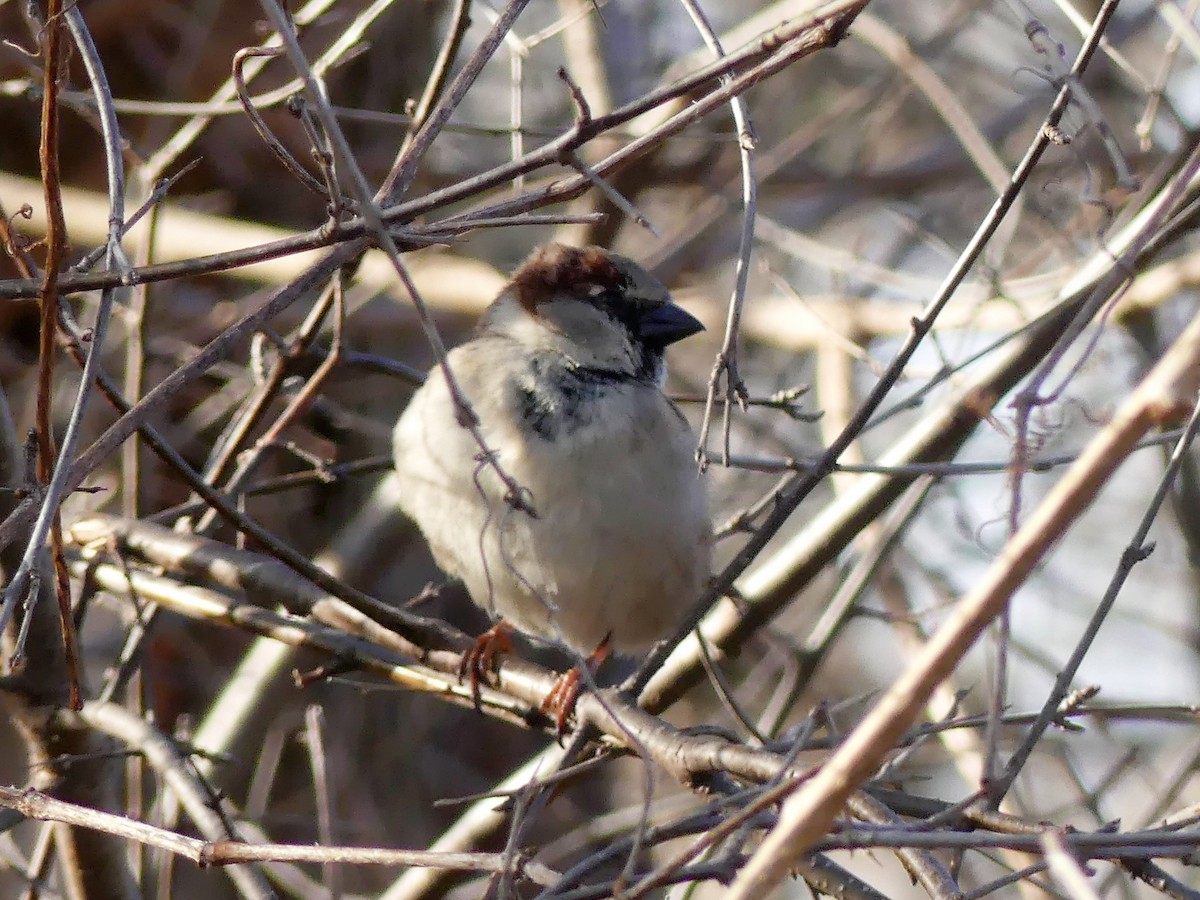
x: 621, y: 545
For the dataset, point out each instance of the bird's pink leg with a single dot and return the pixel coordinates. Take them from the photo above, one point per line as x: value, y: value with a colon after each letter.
x: 565, y: 692
x: 480, y: 660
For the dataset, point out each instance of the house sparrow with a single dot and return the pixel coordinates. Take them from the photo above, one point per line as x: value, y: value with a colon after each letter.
x: 564, y: 375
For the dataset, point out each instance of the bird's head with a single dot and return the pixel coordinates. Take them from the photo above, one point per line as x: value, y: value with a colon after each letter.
x: 597, y: 309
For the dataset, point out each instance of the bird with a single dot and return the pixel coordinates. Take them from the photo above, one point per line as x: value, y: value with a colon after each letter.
x: 610, y: 543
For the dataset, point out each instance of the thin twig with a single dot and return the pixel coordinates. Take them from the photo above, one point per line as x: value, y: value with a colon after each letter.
x: 800, y: 487
x: 1136, y: 551
x: 725, y: 368
x: 1171, y: 386
x: 517, y: 497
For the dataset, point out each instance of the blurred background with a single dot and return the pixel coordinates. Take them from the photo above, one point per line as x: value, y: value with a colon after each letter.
x: 874, y: 163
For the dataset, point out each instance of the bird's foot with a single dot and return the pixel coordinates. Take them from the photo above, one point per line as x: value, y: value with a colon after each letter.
x: 564, y: 693
x: 480, y: 660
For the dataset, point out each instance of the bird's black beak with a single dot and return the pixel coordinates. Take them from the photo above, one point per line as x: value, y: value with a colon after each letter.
x: 666, y: 323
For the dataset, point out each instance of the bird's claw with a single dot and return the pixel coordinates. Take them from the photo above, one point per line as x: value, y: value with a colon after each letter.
x: 480, y: 661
